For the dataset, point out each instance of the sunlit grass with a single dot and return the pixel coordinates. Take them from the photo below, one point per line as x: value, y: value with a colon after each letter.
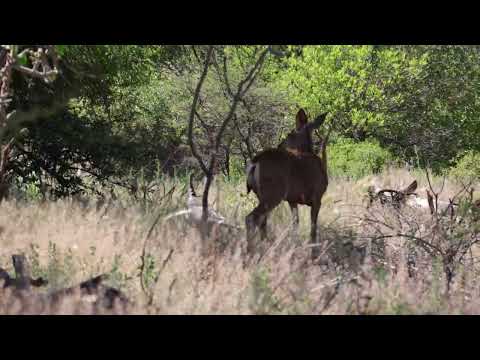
x: 69, y: 241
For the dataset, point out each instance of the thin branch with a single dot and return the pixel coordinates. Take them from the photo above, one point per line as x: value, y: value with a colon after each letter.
x: 435, y: 194
x: 204, y: 124
x: 422, y: 242
x: 240, y: 93
x: 225, y: 76
x: 193, y: 109
x: 443, y: 184
x: 195, y: 53
x: 144, y: 247
x: 155, y: 280
x: 35, y: 73
x: 245, y: 139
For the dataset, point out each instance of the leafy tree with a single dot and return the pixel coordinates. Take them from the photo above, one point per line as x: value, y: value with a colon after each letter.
x: 413, y: 99
x: 108, y: 121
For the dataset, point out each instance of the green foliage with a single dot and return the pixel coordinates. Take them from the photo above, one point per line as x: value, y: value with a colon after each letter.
x: 32, y: 192
x: 263, y: 300
x: 381, y: 274
x: 58, y: 272
x: 116, y: 122
x: 33, y: 257
x: 467, y: 169
x: 116, y: 277
x: 123, y: 108
x: 150, y: 273
x: 60, y: 49
x: 438, y: 107
x: 403, y: 96
x: 347, y: 158
x: 237, y: 169
x: 338, y: 79
x: 60, y: 268
x: 401, y: 308
x: 22, y: 60
x: 98, y: 68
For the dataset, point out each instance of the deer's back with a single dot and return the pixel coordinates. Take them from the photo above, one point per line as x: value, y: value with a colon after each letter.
x: 276, y: 173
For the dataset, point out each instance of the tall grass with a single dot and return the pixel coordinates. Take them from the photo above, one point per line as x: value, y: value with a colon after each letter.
x: 68, y: 240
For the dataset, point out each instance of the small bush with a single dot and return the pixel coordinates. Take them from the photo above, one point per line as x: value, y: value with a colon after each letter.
x: 354, y: 160
x: 263, y: 300
x: 467, y: 169
x: 237, y: 169
x: 60, y: 268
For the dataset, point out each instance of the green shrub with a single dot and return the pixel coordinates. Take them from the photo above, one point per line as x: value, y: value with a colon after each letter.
x: 237, y: 169
x: 263, y: 300
x: 467, y: 169
x: 347, y: 158
x: 117, y: 278
x: 60, y: 268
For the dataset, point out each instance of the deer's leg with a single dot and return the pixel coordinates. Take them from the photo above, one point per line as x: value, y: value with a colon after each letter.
x: 313, y: 233
x: 250, y: 226
x: 294, y: 210
x: 258, y: 218
x: 263, y: 228
x: 255, y: 219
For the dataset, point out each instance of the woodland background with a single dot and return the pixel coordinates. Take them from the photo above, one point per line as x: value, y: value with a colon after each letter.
x: 97, y: 144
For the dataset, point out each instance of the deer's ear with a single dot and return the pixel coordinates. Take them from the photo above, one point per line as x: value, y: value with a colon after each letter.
x: 411, y: 188
x: 319, y: 120
x: 301, y: 119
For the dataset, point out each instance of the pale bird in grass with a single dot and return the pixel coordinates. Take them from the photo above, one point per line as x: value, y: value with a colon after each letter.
x: 194, y: 210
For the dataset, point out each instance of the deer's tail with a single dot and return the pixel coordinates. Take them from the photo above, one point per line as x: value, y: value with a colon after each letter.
x: 251, y: 177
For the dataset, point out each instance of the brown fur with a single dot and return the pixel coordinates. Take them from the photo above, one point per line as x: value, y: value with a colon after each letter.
x: 291, y: 173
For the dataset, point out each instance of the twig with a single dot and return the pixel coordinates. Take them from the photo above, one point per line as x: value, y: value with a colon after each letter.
x: 142, y: 256
x: 164, y: 264
x: 35, y: 73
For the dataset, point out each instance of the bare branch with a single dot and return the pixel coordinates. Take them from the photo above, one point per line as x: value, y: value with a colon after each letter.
x: 204, y: 124
x: 426, y: 245
x: 195, y: 53
x: 241, y: 90
x: 255, y: 71
x: 225, y: 76
x: 35, y: 73
x: 193, y: 110
x: 245, y: 139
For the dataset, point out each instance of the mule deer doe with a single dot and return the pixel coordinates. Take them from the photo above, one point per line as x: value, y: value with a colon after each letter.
x: 292, y: 172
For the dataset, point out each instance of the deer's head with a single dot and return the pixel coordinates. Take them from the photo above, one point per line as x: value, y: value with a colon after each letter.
x: 299, y: 141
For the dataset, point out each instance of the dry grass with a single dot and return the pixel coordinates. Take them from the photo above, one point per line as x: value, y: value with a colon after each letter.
x: 68, y: 242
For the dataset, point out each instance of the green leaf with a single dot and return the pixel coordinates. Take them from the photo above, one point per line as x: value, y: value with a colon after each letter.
x: 60, y: 49
x: 14, y: 50
x: 23, y: 60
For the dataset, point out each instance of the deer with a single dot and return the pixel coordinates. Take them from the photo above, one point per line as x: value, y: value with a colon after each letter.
x: 292, y: 172
x: 408, y: 196
x: 394, y: 197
